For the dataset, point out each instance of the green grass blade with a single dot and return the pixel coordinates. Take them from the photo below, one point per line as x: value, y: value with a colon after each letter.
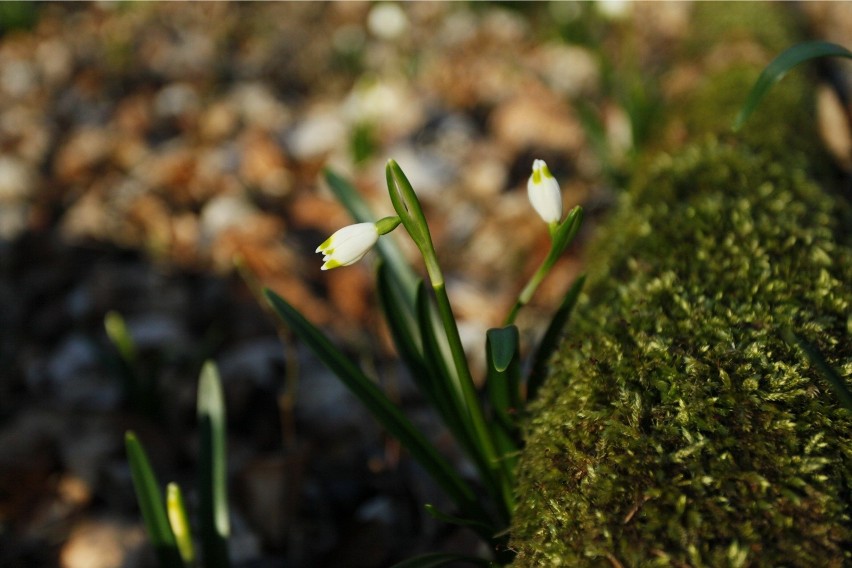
x: 502, y: 354
x: 504, y: 342
x: 550, y: 339
x: 116, y: 330
x: 422, y: 357
x: 565, y: 234
x: 779, y: 67
x: 443, y: 382
x: 387, y: 248
x: 382, y: 409
x: 451, y: 519
x: 832, y: 377
x: 405, y: 331
x: 151, y: 504
x: 401, y: 319
x: 435, y: 358
x: 438, y: 559
x: 139, y: 383
x: 213, y: 501
x: 502, y: 346
x: 179, y: 522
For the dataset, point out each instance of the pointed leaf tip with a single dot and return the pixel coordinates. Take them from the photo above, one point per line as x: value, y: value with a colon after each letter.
x: 504, y: 346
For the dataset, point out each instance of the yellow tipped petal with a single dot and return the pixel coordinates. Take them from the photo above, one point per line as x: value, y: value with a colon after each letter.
x: 348, y: 245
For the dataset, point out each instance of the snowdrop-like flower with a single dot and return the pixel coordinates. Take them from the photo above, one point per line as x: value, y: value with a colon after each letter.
x: 544, y: 194
x: 349, y: 244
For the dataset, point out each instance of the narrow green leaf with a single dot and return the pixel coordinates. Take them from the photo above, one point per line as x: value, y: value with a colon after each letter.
x: 213, y: 501
x: 403, y: 325
x: 435, y: 358
x: 778, y: 68
x: 452, y: 519
x: 407, y: 338
x: 443, y: 382
x: 151, y: 504
x: 502, y: 350
x: 124, y: 362
x: 832, y: 377
x: 139, y: 381
x: 502, y: 347
x: 438, y: 559
x: 381, y: 408
x: 550, y: 339
x: 116, y: 330
x: 565, y: 234
x: 179, y: 522
x: 504, y: 343
x: 495, y: 474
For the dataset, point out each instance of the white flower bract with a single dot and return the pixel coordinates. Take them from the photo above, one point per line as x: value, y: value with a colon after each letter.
x: 348, y: 245
x: 544, y: 193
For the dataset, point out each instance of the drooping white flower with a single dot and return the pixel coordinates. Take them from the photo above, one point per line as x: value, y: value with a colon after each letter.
x: 544, y: 193
x: 348, y: 245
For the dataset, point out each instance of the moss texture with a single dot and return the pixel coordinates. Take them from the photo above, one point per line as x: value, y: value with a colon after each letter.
x: 677, y: 426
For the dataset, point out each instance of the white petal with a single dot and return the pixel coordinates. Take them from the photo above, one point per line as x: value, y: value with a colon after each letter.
x: 544, y: 193
x: 348, y: 245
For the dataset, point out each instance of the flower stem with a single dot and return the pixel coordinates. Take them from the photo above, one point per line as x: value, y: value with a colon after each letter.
x: 562, y: 234
x: 527, y: 293
x: 498, y: 470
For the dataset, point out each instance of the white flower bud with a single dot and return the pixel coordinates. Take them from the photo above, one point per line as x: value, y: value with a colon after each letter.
x: 544, y: 194
x: 348, y: 245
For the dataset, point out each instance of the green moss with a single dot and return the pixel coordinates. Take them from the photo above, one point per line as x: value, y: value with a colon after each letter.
x: 712, y: 107
x: 716, y: 23
x: 677, y: 426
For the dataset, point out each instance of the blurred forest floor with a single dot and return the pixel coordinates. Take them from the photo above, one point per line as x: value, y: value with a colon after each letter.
x: 146, y: 149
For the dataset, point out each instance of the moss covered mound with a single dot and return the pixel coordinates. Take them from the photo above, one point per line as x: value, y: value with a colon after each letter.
x: 678, y: 427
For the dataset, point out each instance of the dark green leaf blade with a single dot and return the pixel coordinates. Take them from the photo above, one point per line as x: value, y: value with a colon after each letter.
x: 119, y: 335
x: 550, y: 339
x: 405, y: 331
x: 403, y: 325
x: 213, y: 504
x: 442, y: 382
x: 452, y: 520
x: 438, y: 559
x: 831, y: 376
x: 502, y: 354
x: 504, y: 346
x: 565, y: 233
x: 779, y: 67
x: 151, y: 504
x: 381, y: 407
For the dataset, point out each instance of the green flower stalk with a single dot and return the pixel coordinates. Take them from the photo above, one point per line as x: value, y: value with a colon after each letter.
x: 495, y: 471
x: 425, y: 332
x: 546, y: 198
